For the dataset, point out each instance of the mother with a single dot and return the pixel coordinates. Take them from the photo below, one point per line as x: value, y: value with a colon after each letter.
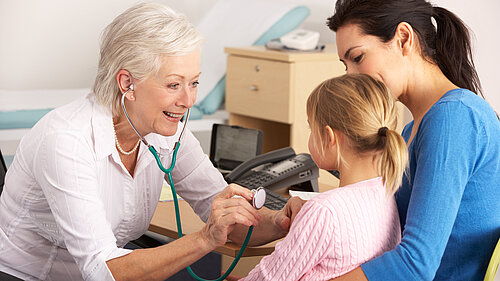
x: 449, y: 203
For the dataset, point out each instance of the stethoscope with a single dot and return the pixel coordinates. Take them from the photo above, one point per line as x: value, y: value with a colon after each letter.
x: 258, y: 199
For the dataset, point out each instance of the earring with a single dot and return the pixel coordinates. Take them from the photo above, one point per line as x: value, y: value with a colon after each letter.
x: 132, y: 96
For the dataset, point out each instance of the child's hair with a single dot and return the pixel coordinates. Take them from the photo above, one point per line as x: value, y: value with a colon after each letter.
x: 362, y: 108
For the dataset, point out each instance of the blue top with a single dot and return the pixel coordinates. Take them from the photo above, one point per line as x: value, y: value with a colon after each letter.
x: 449, y: 203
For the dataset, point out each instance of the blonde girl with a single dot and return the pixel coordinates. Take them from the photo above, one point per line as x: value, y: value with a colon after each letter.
x: 353, y: 122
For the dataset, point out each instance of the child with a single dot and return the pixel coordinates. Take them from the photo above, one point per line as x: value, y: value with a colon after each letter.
x: 353, y: 121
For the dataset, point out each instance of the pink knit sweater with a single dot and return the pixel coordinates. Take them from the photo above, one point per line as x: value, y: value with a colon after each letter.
x: 334, y: 233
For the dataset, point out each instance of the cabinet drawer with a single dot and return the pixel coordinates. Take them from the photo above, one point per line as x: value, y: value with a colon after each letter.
x: 259, y: 88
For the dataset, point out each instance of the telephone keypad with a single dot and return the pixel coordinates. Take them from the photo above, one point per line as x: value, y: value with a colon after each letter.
x: 274, y: 201
x: 266, y: 172
x: 254, y: 180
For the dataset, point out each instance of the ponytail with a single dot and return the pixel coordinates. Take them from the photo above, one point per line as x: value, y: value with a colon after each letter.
x: 393, y: 160
x: 362, y: 108
x: 453, y: 52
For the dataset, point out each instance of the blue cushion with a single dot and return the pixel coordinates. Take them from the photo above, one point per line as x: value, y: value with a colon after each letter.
x: 213, y: 101
x: 21, y: 119
x: 195, y: 113
x: 8, y: 160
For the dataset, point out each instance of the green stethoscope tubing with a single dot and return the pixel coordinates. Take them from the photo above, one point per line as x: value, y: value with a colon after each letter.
x: 174, y: 194
x: 178, y: 217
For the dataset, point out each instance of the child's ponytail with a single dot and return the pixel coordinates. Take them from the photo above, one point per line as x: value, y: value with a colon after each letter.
x: 393, y: 160
x: 362, y: 108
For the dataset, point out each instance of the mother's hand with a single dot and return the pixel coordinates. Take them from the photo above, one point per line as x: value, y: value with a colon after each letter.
x: 228, y: 211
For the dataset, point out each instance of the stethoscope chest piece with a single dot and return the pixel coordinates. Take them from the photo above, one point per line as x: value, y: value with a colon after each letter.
x: 259, y: 197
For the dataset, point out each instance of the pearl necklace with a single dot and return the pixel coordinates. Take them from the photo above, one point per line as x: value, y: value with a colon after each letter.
x: 120, y: 149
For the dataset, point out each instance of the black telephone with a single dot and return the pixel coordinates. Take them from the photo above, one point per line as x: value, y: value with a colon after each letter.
x: 276, y: 169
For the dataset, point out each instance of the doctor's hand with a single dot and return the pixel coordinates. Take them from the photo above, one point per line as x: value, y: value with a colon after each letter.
x: 226, y: 212
x: 286, y: 216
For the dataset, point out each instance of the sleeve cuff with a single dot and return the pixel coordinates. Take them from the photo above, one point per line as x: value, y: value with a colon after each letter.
x: 386, y: 267
x: 116, y: 253
x: 100, y: 269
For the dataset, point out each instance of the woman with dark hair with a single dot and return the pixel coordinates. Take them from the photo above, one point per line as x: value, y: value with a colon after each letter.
x: 449, y: 201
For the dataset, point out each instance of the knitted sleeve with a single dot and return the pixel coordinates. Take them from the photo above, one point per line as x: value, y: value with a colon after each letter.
x: 309, y: 240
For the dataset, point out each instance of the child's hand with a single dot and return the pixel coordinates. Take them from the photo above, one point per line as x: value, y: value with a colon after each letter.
x: 289, y: 212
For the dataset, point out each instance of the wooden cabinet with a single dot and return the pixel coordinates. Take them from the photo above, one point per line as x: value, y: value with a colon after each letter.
x: 268, y: 90
x: 260, y: 88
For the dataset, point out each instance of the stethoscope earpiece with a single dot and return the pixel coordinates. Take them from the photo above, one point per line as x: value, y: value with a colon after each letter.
x: 130, y: 88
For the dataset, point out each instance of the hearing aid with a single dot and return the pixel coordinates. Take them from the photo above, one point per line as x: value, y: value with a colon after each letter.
x: 259, y: 197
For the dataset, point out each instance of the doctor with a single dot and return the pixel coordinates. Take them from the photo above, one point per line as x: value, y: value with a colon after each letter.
x: 82, y: 184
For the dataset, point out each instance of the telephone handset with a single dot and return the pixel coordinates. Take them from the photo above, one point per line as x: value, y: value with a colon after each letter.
x: 276, y: 169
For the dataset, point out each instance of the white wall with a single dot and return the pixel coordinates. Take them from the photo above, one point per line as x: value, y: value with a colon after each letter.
x: 53, y: 44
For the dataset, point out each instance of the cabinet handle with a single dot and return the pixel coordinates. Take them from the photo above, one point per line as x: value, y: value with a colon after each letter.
x: 253, y: 88
x: 257, y: 68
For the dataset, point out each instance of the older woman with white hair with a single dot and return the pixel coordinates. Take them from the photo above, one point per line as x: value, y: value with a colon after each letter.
x: 82, y: 184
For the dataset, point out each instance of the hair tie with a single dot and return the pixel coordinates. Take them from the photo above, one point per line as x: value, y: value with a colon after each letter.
x: 382, y: 131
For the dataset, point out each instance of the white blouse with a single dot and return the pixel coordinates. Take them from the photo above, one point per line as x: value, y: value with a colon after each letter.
x: 69, y: 204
